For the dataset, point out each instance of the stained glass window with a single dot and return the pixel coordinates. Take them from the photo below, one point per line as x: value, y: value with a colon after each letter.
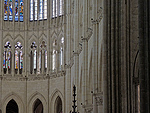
x: 53, y: 13
x: 10, y: 10
x: 45, y: 59
x: 16, y: 59
x: 38, y: 9
x: 21, y: 60
x: 34, y: 61
x: 16, y: 10
x: 40, y: 60
x: 4, y: 65
x: 41, y: 10
x: 61, y: 7
x: 54, y: 60
x: 57, y: 8
x: 7, y: 56
x: 5, y: 10
x: 45, y: 9
x: 61, y: 51
x: 31, y: 9
x: 35, y: 9
x: 21, y: 10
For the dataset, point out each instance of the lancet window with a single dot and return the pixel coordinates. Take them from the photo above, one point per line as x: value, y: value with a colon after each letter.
x: 61, y: 56
x: 57, y: 8
x: 18, y: 10
x: 7, y: 58
x: 43, y: 58
x: 38, y: 9
x: 18, y: 58
x: 54, y: 53
x: 33, y: 58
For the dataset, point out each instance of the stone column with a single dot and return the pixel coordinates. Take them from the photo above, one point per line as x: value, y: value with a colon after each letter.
x: 67, y: 38
x: 76, y: 47
x: 85, y: 55
x: 13, y: 62
x: 85, y: 73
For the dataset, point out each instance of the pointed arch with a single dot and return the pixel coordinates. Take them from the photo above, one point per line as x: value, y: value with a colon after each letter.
x: 43, y: 37
x: 9, y: 38
x: 61, y: 34
x: 58, y: 105
x: 56, y: 93
x: 38, y: 106
x: 32, y: 100
x: 54, y: 36
x: 12, y: 106
x: 19, y: 38
x: 32, y: 39
x: 17, y: 99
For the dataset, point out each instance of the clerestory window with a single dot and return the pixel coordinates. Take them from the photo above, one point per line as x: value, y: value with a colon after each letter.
x: 17, y: 13
x: 57, y: 8
x: 38, y: 9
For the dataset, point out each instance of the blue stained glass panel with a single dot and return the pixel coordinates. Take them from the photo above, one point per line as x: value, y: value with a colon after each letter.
x: 16, y: 10
x: 4, y: 66
x: 5, y: 10
x: 21, y: 10
x: 10, y: 10
x: 21, y: 60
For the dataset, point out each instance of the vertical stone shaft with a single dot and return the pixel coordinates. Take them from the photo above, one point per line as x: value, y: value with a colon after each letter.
x: 123, y: 58
x: 95, y: 57
x: 76, y: 40
x: 144, y: 54
x: 85, y: 54
x: 85, y: 64
x: 105, y: 57
x: 113, y: 54
x: 43, y: 60
x: 76, y: 46
x: 68, y: 55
